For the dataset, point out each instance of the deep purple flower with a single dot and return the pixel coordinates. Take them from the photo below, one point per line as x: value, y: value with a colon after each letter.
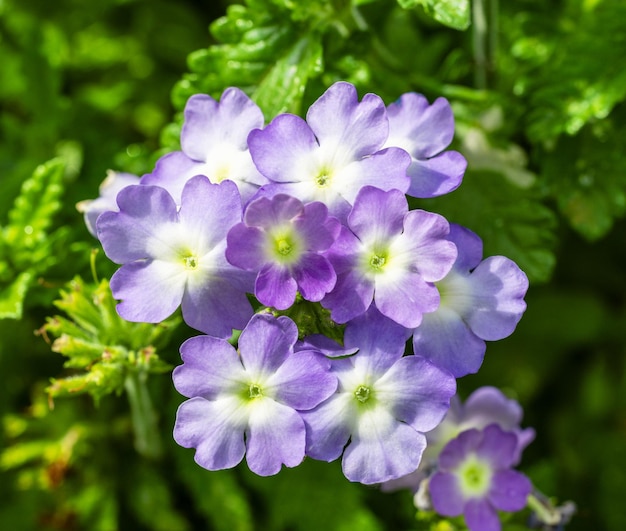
x: 390, y: 256
x: 481, y: 300
x: 248, y: 401
x: 384, y: 403
x: 333, y: 154
x: 282, y: 239
x: 475, y: 478
x: 214, y: 144
x: 110, y: 187
x: 172, y: 257
x: 486, y: 405
x: 425, y: 131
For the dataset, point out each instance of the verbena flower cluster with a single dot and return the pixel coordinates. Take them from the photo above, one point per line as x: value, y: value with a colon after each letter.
x: 467, y: 468
x: 314, y: 210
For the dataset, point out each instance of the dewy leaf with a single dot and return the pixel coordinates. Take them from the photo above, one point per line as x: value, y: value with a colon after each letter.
x: 263, y: 51
x: 511, y: 221
x: 567, y: 93
x: 39, y: 200
x: 586, y: 174
x: 12, y: 297
x: 452, y: 13
x: 282, y: 88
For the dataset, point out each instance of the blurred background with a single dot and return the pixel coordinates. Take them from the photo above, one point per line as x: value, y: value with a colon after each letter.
x: 539, y: 91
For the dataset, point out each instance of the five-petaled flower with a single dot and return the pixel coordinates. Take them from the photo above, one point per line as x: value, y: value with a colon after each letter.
x: 173, y: 257
x: 475, y: 478
x: 249, y: 401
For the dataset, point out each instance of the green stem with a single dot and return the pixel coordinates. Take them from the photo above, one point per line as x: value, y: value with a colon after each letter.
x: 546, y: 513
x: 479, y: 38
x: 143, y: 415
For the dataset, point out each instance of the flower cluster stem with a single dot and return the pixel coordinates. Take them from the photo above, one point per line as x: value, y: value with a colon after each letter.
x: 143, y: 415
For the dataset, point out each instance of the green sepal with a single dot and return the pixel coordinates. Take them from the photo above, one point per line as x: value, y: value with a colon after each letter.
x: 312, y: 318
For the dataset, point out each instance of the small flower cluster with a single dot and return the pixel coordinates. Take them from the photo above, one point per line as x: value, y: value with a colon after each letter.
x: 311, y: 210
x: 467, y: 468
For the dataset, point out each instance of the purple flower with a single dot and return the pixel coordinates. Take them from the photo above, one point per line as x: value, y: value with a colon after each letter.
x: 333, y: 154
x: 172, y: 257
x: 475, y: 478
x: 384, y: 403
x: 481, y: 300
x: 92, y: 208
x: 214, y: 144
x: 389, y: 256
x: 248, y: 401
x: 487, y: 405
x: 425, y: 131
x: 282, y: 239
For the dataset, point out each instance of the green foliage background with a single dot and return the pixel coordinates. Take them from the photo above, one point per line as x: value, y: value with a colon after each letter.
x: 87, y: 405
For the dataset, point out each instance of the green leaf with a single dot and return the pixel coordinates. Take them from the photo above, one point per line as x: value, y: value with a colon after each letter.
x: 12, y: 297
x: 282, y: 88
x: 31, y: 215
x: 586, y: 174
x: 566, y: 94
x: 511, y: 221
x: 151, y: 501
x: 216, y: 495
x: 452, y: 13
x: 287, y: 498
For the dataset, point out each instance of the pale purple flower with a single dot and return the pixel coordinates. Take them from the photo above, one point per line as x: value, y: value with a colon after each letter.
x: 248, y: 401
x: 109, y: 188
x: 282, y: 239
x: 333, y: 154
x: 214, y: 144
x: 425, y: 131
x: 481, y: 300
x: 384, y: 403
x: 475, y: 478
x: 486, y: 405
x: 389, y: 256
x: 172, y: 257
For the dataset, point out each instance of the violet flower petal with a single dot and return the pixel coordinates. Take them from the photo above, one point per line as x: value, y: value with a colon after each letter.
x: 301, y: 382
x: 328, y: 427
x: 417, y: 392
x: 422, y: 129
x: 510, y: 490
x: 445, y: 494
x: 500, y: 286
x: 275, y: 436
x: 437, y: 176
x: 276, y: 287
x: 445, y: 339
x: 265, y: 343
x: 136, y: 231
x: 209, y: 122
x: 481, y: 516
x: 149, y: 291
x: 282, y: 150
x: 367, y: 459
x: 215, y: 429
x: 338, y: 117
x: 210, y: 367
